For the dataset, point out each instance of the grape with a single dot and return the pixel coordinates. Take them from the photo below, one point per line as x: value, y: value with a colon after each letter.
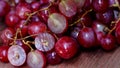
x: 87, y: 5
x: 36, y: 59
x: 12, y: 19
x: 80, y: 3
x: 100, y: 5
x: 4, y: 53
x: 57, y: 23
x: 7, y: 35
x: 53, y: 58
x: 108, y: 42
x: 44, y: 42
x: 35, y: 6
x: 75, y: 31
x: 4, y: 8
x: 66, y: 47
x: 106, y: 17
x: 87, y: 37
x: 22, y: 9
x: 68, y: 7
x: 16, y: 55
x: 36, y: 28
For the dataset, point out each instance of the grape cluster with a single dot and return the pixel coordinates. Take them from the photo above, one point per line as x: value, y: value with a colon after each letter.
x: 41, y: 32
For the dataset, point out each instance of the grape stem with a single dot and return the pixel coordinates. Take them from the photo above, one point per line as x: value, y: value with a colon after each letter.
x: 16, y: 34
x: 28, y: 36
x: 55, y: 36
x: 80, y: 18
x: 27, y: 43
x: 114, y: 27
x: 106, y: 29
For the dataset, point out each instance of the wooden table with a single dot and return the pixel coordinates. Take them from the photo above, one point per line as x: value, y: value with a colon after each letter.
x: 86, y: 59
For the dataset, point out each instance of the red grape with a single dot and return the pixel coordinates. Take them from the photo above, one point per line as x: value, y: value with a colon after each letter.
x: 106, y: 17
x: 16, y: 55
x: 18, y: 1
x: 22, y: 9
x: 100, y: 5
x: 44, y: 42
x: 87, y: 37
x: 108, y: 42
x: 53, y: 58
x: 68, y: 8
x: 7, y: 35
x: 35, y: 18
x: 66, y: 47
x: 4, y: 8
x: 87, y: 5
x: 12, y: 19
x: 57, y: 23
x: 35, y: 6
x: 75, y: 31
x: 42, y: 2
x: 80, y: 3
x: 98, y: 26
x: 36, y: 28
x: 4, y: 53
x: 36, y: 59
x: 29, y: 1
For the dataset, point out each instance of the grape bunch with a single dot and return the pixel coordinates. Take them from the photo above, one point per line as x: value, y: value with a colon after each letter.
x: 42, y: 32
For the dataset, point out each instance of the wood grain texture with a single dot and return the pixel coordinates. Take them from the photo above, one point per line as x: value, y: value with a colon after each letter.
x: 92, y: 59
x: 95, y: 59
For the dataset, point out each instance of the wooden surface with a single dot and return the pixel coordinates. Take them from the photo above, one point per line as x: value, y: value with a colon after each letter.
x: 92, y: 59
